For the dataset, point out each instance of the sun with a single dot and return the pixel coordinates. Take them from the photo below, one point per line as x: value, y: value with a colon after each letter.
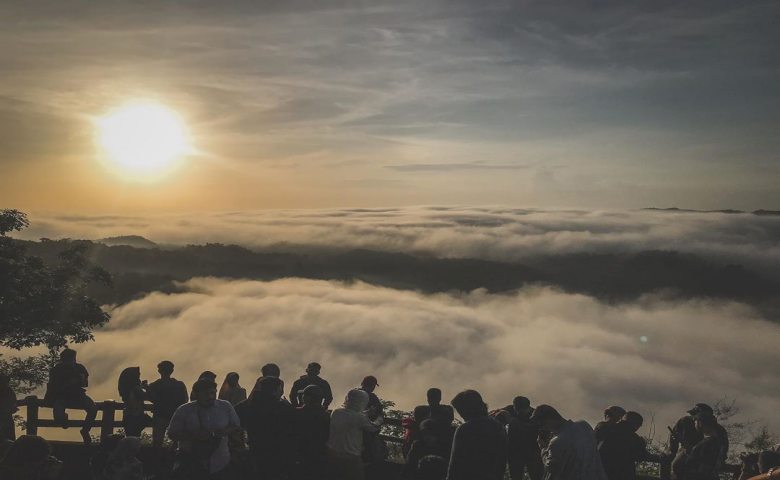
x: 143, y: 140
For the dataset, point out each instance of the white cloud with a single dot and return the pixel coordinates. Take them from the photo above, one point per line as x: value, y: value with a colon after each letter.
x: 492, y: 233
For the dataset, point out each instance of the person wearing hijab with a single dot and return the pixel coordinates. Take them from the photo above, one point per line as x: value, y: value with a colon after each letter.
x: 345, y: 441
x: 231, y: 390
x: 123, y: 463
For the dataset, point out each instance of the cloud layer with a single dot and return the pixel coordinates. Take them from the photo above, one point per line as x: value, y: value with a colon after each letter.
x: 491, y: 233
x: 571, y: 351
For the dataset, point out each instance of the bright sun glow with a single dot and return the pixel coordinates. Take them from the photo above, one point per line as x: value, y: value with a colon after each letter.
x: 143, y: 140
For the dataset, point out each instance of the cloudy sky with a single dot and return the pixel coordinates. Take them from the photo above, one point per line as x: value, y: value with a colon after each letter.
x: 300, y: 103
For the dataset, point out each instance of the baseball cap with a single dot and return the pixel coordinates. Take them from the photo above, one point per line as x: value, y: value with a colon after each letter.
x: 370, y: 380
x: 701, y: 408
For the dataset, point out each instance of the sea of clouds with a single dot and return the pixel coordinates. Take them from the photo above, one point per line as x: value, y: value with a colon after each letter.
x: 654, y: 356
x: 491, y: 233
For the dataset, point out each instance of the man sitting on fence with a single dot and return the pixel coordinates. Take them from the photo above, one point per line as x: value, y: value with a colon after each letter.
x: 67, y: 385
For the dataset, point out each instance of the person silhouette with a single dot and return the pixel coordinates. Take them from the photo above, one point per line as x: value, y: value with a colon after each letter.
x: 270, y: 427
x: 312, y: 426
x: 479, y: 445
x: 231, y: 390
x: 312, y: 377
x: 167, y: 394
x: 201, y: 428
x: 7, y: 409
x: 68, y: 381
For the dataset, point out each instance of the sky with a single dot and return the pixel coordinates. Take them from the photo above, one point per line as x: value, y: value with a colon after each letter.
x: 304, y: 104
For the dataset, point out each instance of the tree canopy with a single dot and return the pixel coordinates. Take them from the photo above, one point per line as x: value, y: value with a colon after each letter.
x: 44, y: 304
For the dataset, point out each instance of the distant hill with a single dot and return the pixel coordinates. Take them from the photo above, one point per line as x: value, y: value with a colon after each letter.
x: 612, y: 277
x: 136, y: 241
x: 728, y: 210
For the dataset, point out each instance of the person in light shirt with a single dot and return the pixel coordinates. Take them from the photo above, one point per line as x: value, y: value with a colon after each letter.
x: 345, y: 442
x: 201, y: 428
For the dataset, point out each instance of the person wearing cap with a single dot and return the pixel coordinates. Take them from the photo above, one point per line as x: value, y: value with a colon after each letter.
x: 270, y: 427
x: 571, y: 452
x: 703, y: 461
x: 479, y: 445
x: 374, y: 410
x: 312, y: 427
x: 523, y: 452
x: 684, y: 435
x: 312, y: 377
x: 166, y: 394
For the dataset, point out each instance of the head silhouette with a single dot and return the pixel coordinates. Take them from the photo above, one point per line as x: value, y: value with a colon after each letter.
x: 369, y: 383
x: 633, y: 420
x: 547, y: 418
x: 165, y: 368
x: 205, y: 392
x: 68, y: 356
x: 614, y: 413
x: 27, y: 450
x: 706, y: 423
x: 434, y: 397
x: 232, y: 379
x: 270, y: 387
x: 522, y: 406
x: 356, y: 401
x: 312, y: 395
x: 469, y: 405
x: 313, y: 369
x: 271, y: 370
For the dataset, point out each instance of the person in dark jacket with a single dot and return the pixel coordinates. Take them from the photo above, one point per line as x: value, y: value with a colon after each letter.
x: 432, y: 441
x: 523, y: 451
x: 167, y: 394
x: 684, y: 436
x: 612, y: 415
x: 312, y: 377
x: 704, y: 459
x: 269, y: 423
x: 67, y: 388
x: 621, y: 448
x: 479, y: 446
x: 312, y: 429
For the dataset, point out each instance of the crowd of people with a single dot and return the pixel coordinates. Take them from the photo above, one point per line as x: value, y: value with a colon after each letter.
x: 228, y: 433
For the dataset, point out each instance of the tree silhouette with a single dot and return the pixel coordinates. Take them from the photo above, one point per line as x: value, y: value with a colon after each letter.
x: 41, y: 304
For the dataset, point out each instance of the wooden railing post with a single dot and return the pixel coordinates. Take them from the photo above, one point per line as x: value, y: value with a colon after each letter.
x: 107, y: 422
x: 31, y: 427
